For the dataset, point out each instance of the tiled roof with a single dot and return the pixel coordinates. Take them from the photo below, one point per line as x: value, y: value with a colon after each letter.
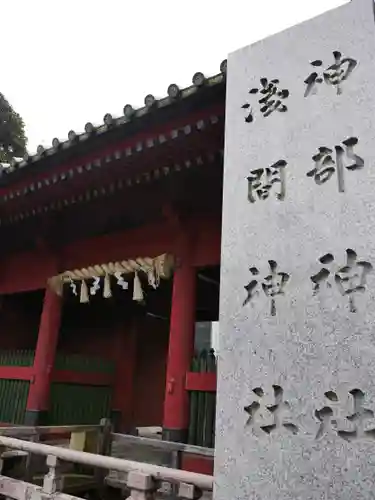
x: 174, y: 95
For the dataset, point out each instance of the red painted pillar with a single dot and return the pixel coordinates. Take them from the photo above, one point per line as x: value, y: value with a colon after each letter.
x: 44, y: 360
x: 125, y: 352
x: 180, y: 352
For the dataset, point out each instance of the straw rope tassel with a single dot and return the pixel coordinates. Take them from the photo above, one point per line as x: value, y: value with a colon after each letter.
x: 137, y: 289
x: 155, y: 268
x: 84, y: 298
x: 107, y: 287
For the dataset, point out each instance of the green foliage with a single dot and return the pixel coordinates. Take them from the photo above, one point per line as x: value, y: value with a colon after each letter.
x: 12, y: 132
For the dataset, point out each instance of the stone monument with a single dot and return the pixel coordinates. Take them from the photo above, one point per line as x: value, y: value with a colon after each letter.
x: 296, y: 385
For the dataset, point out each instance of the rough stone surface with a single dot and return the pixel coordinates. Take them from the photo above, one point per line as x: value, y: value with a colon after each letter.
x: 314, y: 344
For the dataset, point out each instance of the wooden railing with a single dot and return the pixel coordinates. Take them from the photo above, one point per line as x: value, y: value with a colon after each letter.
x: 61, y: 431
x: 166, y: 453
x: 168, y: 446
x: 140, y: 479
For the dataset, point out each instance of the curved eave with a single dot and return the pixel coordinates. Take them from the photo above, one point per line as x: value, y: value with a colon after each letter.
x: 202, y: 93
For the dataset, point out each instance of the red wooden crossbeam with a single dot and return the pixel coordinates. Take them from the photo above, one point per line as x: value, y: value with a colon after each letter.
x: 197, y: 463
x: 200, y: 382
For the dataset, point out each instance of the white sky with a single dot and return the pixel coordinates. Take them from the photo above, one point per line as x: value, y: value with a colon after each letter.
x: 65, y: 63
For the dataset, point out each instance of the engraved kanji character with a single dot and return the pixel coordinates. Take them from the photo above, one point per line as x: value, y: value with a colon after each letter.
x: 326, y: 164
x: 358, y: 418
x: 334, y: 75
x: 261, y: 180
x: 270, y: 100
x: 272, y: 285
x: 349, y: 279
x: 277, y: 412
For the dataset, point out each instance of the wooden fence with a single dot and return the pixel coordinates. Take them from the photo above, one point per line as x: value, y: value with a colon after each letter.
x: 84, y: 403
x: 18, y: 357
x: 14, y: 392
x: 71, y: 403
x: 13, y: 398
x: 203, y: 404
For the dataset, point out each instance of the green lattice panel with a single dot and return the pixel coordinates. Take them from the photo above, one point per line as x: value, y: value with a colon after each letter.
x: 78, y: 404
x: 202, y: 404
x: 80, y: 363
x: 13, y: 398
x: 16, y: 358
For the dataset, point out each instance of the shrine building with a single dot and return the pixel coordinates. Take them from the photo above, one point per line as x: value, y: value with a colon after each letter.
x: 110, y: 269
